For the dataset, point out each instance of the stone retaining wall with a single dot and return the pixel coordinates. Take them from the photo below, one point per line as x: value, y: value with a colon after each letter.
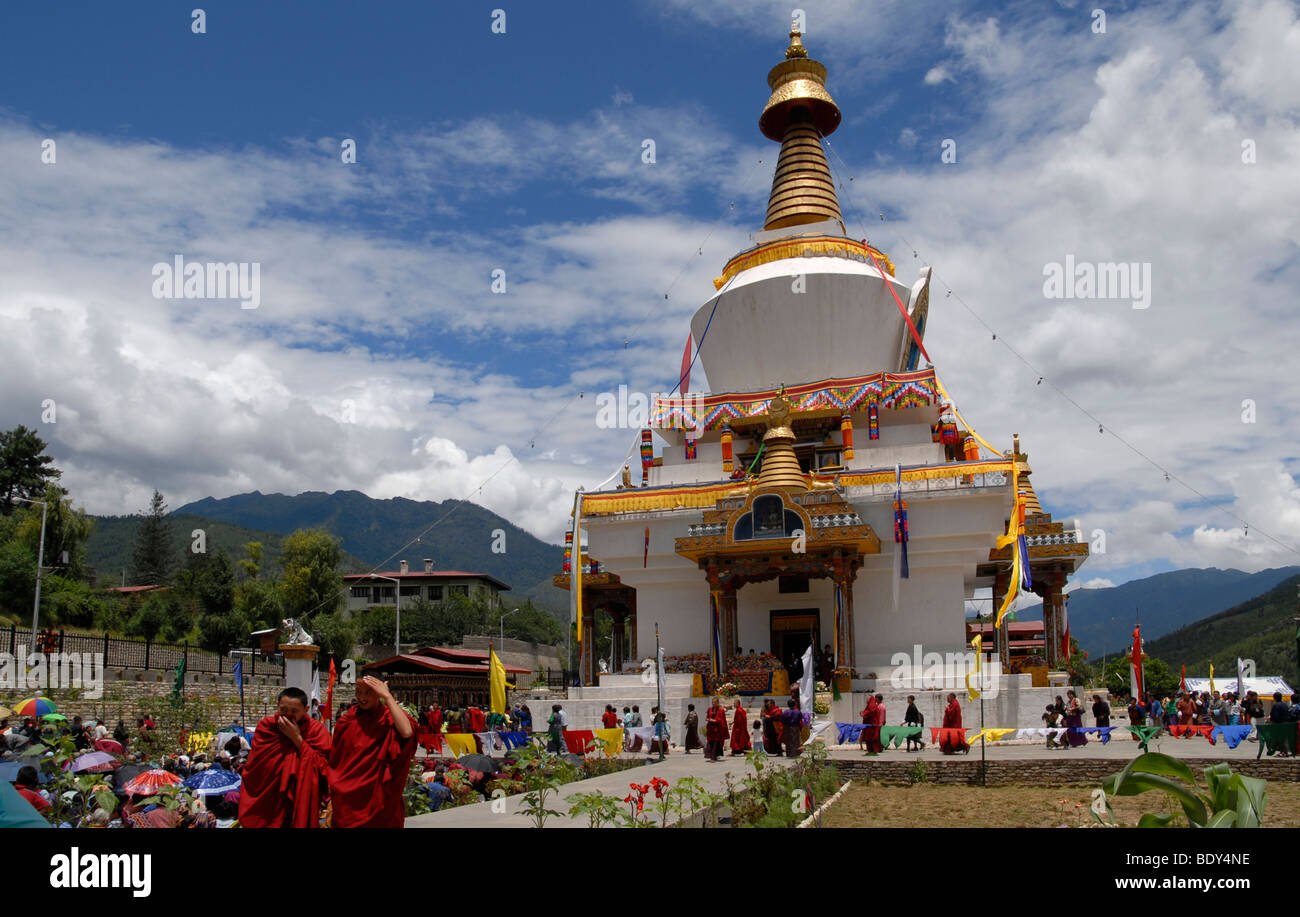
x: 1045, y: 772
x: 128, y: 693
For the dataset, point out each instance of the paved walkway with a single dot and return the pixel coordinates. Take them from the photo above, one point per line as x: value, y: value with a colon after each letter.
x: 672, y: 768
x: 1120, y: 747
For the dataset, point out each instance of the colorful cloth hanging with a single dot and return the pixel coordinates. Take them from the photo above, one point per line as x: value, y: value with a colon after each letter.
x: 1277, y: 737
x: 1233, y: 735
x: 1144, y: 734
x: 896, y: 735
x: 579, y: 740
x: 728, y: 464
x: 611, y: 740
x: 461, y: 743
x: 846, y: 436
x: 1102, y: 731
x: 873, y: 421
x: 1193, y: 729
x: 647, y: 456
x: 514, y: 739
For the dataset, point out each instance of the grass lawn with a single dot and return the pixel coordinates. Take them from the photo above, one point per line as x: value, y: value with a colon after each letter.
x: 942, y: 806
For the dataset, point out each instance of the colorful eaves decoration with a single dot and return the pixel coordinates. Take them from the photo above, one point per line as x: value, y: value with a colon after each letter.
x: 894, y: 391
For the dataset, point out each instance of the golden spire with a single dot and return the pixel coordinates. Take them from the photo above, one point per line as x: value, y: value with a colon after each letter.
x: 799, y: 113
x: 780, y: 464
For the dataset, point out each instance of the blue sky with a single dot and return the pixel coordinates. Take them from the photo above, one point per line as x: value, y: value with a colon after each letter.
x: 522, y: 152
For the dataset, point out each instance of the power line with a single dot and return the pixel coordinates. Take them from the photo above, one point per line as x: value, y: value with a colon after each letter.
x: 1043, y: 377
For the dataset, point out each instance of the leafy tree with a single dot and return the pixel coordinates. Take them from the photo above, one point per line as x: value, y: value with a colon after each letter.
x: 258, y: 602
x: 312, y: 583
x: 66, y: 532
x: 252, y: 564
x: 148, y: 619
x: 17, y: 578
x: 151, y: 559
x: 335, y: 636
x: 25, y: 470
x: 222, y: 632
x: 1156, y: 676
x: 70, y: 602
x: 179, y: 616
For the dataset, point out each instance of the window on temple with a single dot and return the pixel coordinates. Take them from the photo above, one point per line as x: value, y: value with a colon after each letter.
x: 768, y: 516
x: 828, y: 458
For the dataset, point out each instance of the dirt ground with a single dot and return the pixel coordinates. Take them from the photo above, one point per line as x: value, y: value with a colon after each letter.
x: 942, y: 806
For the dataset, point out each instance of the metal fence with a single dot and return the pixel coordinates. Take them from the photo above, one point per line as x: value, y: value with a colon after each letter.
x: 145, y: 654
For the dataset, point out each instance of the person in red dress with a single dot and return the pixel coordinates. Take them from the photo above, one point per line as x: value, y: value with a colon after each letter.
x: 739, y: 730
x: 373, y: 745
x: 952, y: 742
x: 715, y: 730
x: 288, y: 763
x: 869, y: 741
x: 610, y: 719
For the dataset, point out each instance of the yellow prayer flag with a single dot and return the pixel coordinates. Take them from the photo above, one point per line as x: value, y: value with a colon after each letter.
x: 496, y: 683
x: 1211, y: 677
x: 461, y: 744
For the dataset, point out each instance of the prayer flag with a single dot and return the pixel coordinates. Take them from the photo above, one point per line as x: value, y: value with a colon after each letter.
x: 575, y: 573
x: 1135, y: 665
x: 496, y: 683
x: 806, y: 683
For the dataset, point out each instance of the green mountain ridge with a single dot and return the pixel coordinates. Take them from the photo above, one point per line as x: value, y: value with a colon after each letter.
x: 466, y: 536
x: 1262, y: 628
x: 108, y: 549
x: 1102, y: 619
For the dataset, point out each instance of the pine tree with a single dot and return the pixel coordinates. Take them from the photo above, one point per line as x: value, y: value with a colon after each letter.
x: 151, y: 559
x: 24, y: 468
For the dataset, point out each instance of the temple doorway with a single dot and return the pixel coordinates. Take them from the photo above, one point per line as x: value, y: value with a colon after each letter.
x: 791, y: 633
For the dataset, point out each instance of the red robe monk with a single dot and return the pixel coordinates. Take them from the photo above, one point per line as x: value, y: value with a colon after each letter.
x: 739, y: 731
x: 288, y: 763
x: 715, y: 730
x: 950, y: 742
x: 476, y: 720
x: 374, y: 743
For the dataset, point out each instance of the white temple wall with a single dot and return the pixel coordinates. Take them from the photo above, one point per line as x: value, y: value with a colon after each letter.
x: 930, y: 613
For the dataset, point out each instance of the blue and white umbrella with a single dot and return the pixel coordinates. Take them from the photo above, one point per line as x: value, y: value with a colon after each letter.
x: 213, y: 782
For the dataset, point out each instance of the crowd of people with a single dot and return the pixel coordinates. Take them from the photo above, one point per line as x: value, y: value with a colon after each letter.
x: 290, y: 771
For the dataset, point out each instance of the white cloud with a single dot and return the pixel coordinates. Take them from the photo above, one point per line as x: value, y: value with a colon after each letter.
x: 936, y: 75
x: 1108, y: 148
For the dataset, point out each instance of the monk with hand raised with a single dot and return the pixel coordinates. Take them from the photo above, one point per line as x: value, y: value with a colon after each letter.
x: 374, y: 743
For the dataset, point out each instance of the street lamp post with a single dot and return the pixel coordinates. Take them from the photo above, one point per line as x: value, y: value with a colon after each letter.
x: 40, y: 563
x: 503, y: 624
x: 397, y: 593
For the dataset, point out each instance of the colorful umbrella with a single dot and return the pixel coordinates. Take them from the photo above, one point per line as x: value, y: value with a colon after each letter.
x: 109, y: 745
x: 35, y: 706
x: 92, y: 762
x: 54, y: 717
x: 213, y: 782
x: 149, y: 782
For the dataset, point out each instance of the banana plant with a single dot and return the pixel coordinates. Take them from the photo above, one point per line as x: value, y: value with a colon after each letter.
x: 1233, y: 800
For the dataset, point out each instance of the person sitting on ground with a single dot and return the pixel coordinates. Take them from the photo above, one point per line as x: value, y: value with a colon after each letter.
x: 437, y: 791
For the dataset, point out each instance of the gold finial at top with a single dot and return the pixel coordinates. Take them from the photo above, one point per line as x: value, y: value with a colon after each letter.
x: 798, y: 114
x: 796, y: 48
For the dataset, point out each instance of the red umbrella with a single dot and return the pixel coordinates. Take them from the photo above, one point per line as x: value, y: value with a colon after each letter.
x: 149, y: 782
x: 109, y: 745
